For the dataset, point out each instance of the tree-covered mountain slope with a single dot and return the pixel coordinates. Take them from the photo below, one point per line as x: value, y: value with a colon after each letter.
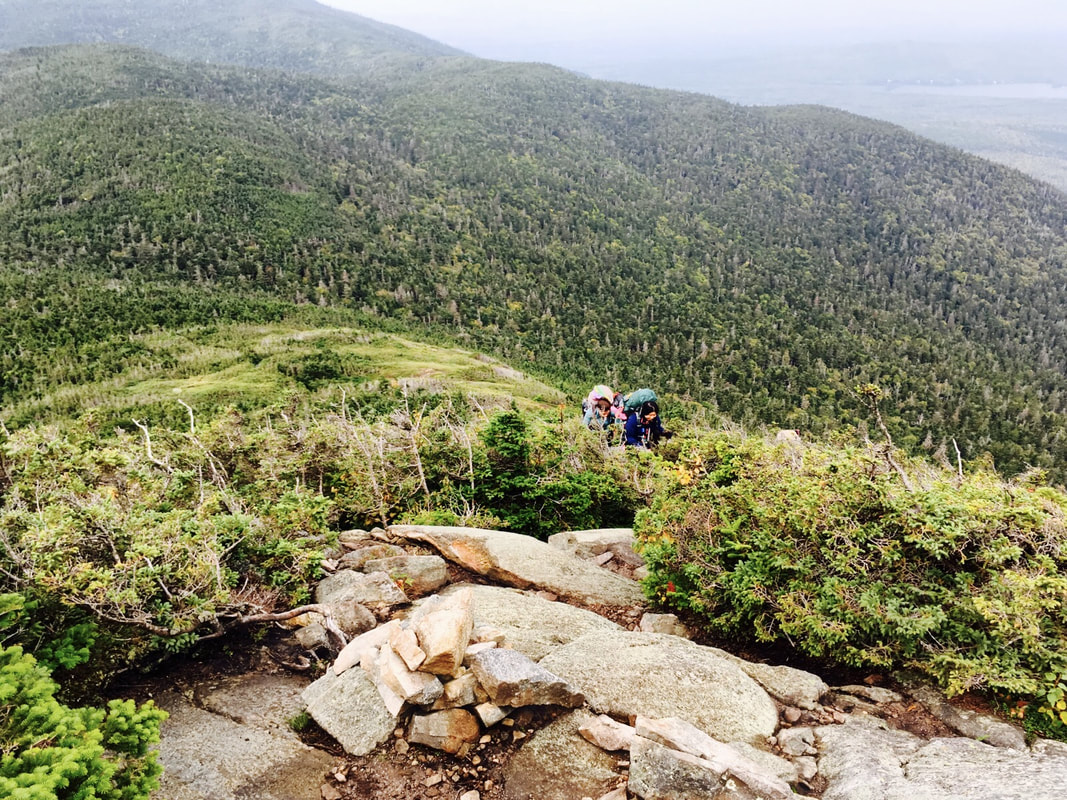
x: 767, y: 261
x: 296, y: 35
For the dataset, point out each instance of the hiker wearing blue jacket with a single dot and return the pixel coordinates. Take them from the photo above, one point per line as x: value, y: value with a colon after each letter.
x: 644, y: 428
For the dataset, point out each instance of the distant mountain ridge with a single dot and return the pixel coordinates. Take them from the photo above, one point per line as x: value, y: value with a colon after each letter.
x: 295, y: 35
x: 762, y: 260
x: 962, y: 94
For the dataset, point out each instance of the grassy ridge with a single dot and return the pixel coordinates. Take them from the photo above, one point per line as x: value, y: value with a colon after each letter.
x: 251, y: 366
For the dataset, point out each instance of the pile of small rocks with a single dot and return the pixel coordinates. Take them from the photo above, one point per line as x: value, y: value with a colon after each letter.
x: 455, y: 679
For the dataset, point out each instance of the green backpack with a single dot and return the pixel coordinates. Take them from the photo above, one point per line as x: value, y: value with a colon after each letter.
x: 635, y: 399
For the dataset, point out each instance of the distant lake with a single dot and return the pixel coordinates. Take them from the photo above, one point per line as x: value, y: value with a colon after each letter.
x: 1012, y: 91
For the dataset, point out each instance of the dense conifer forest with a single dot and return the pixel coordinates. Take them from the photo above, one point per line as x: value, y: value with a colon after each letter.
x: 761, y: 261
x: 764, y: 261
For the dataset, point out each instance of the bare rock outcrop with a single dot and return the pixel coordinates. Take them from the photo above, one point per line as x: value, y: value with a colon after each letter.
x: 862, y: 760
x: 525, y: 562
x: 624, y: 674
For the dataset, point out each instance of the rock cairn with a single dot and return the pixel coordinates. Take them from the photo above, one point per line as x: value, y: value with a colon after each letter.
x: 451, y: 679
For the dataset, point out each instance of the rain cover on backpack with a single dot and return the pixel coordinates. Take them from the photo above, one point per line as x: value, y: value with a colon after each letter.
x: 637, y: 398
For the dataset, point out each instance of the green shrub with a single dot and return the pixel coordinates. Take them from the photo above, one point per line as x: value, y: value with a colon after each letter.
x: 53, y: 751
x: 542, y: 483
x: 826, y: 549
x: 301, y: 722
x: 130, y: 542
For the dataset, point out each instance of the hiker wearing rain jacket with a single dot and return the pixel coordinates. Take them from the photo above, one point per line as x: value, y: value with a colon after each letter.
x: 601, y: 413
x: 644, y: 427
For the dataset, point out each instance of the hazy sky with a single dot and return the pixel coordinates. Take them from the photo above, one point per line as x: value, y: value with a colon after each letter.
x: 497, y: 28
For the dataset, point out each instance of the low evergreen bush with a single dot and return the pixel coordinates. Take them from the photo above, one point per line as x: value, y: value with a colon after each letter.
x: 53, y: 751
x: 866, y: 558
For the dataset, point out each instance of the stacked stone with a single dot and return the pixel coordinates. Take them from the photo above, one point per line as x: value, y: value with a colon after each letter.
x: 670, y: 758
x: 366, y: 578
x: 453, y: 678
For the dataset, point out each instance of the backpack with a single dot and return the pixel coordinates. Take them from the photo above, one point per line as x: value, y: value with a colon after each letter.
x: 634, y: 400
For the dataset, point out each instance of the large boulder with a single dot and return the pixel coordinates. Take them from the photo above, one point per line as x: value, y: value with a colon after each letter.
x: 590, y: 544
x: 349, y: 586
x: 625, y: 674
x: 352, y: 618
x: 418, y: 575
x: 790, y: 686
x: 524, y: 562
x: 861, y: 760
x: 557, y: 764
x: 663, y: 623
x: 350, y: 709
x: 530, y: 624
x: 357, y: 559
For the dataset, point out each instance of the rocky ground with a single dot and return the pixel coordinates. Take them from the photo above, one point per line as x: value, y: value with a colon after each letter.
x: 696, y: 721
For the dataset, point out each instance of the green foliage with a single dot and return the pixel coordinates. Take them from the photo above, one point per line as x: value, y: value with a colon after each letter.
x: 531, y: 489
x: 121, y: 543
x: 1053, y: 701
x: 324, y: 366
x: 52, y: 751
x: 760, y: 261
x: 58, y: 636
x: 301, y: 722
x: 824, y: 548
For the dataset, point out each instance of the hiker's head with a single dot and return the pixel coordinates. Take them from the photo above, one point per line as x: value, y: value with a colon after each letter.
x: 649, y: 410
x: 603, y: 404
x: 601, y: 392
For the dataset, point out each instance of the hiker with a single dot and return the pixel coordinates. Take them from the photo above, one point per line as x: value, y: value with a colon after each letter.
x: 644, y: 428
x: 601, y: 413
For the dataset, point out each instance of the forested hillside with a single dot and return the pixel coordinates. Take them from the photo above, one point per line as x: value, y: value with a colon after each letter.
x: 764, y: 261
x: 299, y: 35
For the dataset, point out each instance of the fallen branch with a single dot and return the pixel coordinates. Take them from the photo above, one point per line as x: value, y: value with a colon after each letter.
x: 337, y: 636
x: 148, y: 447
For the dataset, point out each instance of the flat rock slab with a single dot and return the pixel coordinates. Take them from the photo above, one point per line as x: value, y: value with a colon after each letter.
x: 530, y: 624
x: 558, y: 764
x: 862, y: 761
x: 350, y: 709
x: 587, y: 544
x: 524, y: 562
x: 209, y: 756
x: 263, y: 700
x: 629, y: 673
